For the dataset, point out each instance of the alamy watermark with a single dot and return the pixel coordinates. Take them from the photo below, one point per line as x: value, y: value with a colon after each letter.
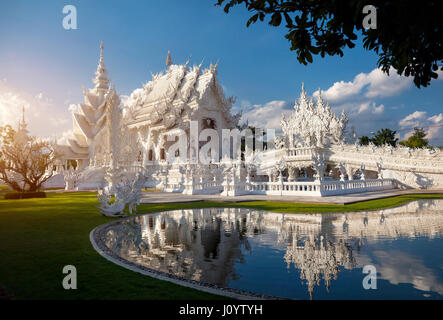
x: 370, y: 281
x: 206, y: 146
x: 370, y: 20
x: 70, y: 280
x: 70, y: 20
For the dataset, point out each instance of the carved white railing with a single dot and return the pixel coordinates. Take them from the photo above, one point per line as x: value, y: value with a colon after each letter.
x: 234, y: 187
x: 206, y: 187
x: 285, y: 188
x: 354, y: 186
x: 193, y: 187
x: 297, y: 152
x: 317, y: 188
x: 133, y: 168
x: 302, y: 188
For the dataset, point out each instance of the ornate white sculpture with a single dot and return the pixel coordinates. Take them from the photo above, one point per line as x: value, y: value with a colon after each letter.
x: 362, y: 172
x: 127, y: 193
x: 319, y: 166
x: 313, y: 125
x: 379, y: 170
x: 71, y: 178
x: 280, y: 167
x: 342, y: 170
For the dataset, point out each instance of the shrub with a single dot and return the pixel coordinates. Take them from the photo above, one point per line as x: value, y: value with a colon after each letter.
x: 24, y: 195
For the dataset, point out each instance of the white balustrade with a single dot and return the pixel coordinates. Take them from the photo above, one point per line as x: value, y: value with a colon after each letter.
x: 319, y: 188
x: 188, y: 184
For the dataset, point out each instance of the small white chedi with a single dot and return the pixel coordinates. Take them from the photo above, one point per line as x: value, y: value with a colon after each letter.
x: 316, y: 155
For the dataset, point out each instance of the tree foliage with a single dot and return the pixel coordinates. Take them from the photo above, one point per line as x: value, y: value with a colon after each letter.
x: 364, y: 140
x: 408, y: 36
x: 6, y: 135
x: 417, y: 140
x: 385, y: 137
x: 382, y: 137
x: 25, y: 166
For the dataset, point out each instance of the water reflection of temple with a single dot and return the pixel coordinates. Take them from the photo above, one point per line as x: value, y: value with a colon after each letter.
x: 205, y: 244
x: 199, y: 245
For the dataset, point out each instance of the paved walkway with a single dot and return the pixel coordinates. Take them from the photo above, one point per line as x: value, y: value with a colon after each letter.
x: 166, y: 197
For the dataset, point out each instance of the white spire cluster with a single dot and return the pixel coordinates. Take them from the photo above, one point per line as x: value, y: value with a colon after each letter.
x: 313, y: 124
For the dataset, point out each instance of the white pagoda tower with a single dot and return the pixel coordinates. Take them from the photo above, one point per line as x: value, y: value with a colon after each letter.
x: 91, y: 143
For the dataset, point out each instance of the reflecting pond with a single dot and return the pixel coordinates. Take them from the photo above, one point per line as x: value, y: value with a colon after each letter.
x: 302, y: 256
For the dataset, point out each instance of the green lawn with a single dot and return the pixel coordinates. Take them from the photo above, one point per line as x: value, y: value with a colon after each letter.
x: 40, y: 236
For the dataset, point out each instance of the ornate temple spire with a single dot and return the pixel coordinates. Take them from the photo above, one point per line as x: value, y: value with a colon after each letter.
x: 21, y: 136
x: 320, y: 101
x: 101, y: 75
x: 22, y: 124
x: 168, y: 59
x: 303, y: 96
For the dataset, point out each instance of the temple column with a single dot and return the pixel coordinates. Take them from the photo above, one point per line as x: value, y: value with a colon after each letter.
x: 291, y: 174
x: 350, y: 171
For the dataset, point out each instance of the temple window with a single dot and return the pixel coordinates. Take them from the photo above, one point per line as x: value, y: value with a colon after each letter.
x: 162, y: 154
x: 150, y: 155
x: 208, y: 123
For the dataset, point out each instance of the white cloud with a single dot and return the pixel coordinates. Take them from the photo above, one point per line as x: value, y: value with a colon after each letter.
x: 436, y: 118
x: 378, y: 110
x: 369, y: 85
x: 368, y: 107
x: 398, y: 267
x: 412, y: 120
x: 432, y: 125
x: 44, y: 119
x: 267, y: 115
x: 72, y: 107
x: 64, y: 136
x: 363, y: 107
x: 360, y: 99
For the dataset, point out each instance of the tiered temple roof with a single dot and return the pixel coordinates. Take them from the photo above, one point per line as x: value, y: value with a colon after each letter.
x: 173, y: 96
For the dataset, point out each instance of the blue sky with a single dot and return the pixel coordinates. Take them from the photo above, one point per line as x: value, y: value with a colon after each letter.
x: 45, y: 67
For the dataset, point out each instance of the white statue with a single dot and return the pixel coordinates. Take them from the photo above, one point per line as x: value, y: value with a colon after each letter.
x: 342, y: 170
x: 362, y: 172
x: 71, y: 178
x: 126, y: 193
x: 319, y: 166
x: 379, y: 170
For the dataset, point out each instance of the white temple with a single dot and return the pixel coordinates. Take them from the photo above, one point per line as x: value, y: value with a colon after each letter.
x: 185, y: 105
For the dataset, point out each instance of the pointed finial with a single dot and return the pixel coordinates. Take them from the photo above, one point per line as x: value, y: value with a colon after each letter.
x: 303, y: 95
x: 101, y: 49
x: 22, y: 124
x: 101, y: 79
x: 168, y: 59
